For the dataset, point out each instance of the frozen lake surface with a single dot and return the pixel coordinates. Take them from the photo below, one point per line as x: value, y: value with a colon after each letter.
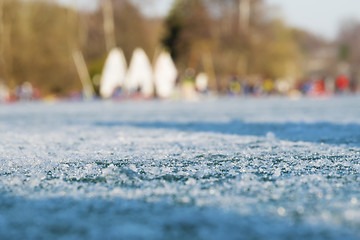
x: 215, y: 169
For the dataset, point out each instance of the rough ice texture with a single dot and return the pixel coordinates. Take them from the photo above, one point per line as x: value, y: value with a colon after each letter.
x: 215, y: 169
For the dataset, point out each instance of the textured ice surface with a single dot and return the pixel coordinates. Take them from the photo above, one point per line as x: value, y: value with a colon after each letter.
x: 215, y: 169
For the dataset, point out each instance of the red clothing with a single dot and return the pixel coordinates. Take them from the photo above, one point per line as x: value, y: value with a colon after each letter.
x: 342, y: 82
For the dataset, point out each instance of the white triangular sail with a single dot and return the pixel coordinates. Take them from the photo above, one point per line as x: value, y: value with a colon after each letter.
x: 140, y: 74
x: 165, y: 75
x: 113, y: 73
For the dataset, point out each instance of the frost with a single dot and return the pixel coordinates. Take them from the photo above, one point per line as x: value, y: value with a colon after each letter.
x: 234, y: 169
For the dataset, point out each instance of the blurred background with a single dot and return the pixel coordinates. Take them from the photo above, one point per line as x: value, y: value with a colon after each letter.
x: 245, y: 47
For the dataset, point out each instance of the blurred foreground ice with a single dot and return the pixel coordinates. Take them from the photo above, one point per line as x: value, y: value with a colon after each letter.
x: 216, y: 169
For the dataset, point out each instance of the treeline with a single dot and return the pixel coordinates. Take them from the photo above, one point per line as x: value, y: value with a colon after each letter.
x: 38, y: 40
x: 219, y: 37
x: 235, y: 37
x: 36, y: 43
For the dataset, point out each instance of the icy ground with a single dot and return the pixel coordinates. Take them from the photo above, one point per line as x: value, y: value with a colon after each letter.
x: 215, y: 169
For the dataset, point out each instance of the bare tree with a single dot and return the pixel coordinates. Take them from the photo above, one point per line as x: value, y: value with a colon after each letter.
x: 109, y: 28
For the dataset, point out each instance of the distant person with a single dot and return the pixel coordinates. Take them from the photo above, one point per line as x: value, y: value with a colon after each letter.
x: 319, y: 87
x: 234, y: 87
x: 188, y: 84
x: 4, y: 93
x: 268, y: 86
x: 201, y: 83
x: 24, y: 92
x: 306, y: 87
x: 342, y: 83
x: 353, y: 85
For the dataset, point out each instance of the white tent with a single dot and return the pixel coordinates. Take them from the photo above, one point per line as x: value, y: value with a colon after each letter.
x: 113, y: 73
x: 201, y: 82
x: 140, y: 74
x: 165, y: 75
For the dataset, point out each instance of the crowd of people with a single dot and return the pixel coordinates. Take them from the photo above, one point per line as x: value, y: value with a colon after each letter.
x: 312, y: 86
x: 24, y: 92
x: 191, y: 87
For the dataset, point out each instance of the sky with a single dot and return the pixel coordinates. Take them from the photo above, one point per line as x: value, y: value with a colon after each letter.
x: 321, y: 17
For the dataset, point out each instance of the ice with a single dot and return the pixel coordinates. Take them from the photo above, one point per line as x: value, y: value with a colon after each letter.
x: 215, y: 169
